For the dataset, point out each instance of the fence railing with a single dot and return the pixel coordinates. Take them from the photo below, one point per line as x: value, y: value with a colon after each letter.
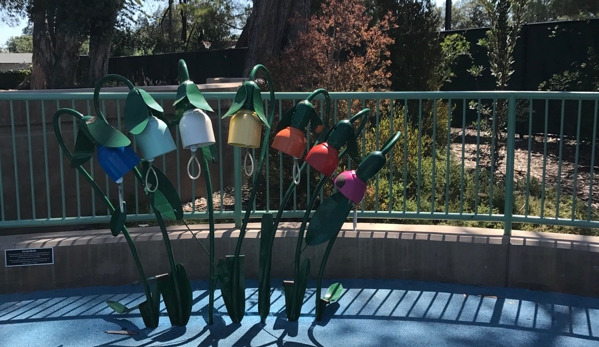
x: 499, y: 169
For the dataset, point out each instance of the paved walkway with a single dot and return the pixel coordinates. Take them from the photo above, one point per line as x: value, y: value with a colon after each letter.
x: 370, y: 313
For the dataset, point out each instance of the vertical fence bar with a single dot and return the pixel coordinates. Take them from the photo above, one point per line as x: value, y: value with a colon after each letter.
x: 574, y: 190
x: 15, y: 162
x: 448, y: 158
x: 463, y: 158
x: 31, y: 180
x: 237, y: 183
x: 492, y: 175
x: 376, y: 192
x: 419, y: 155
x: 544, y: 158
x: 45, y: 139
x: 60, y: 154
x: 434, y: 155
x: 391, y: 131
x: 91, y: 170
x: 74, y: 122
x: 526, y: 208
x: 220, y: 157
x: 268, y: 106
x: 509, y: 169
x: 280, y: 160
x: 559, y: 167
x: 477, y: 167
x: 405, y: 156
x: 107, y: 181
x: 592, y: 170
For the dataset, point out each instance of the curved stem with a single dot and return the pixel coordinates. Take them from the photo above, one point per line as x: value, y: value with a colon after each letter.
x: 99, y: 191
x: 211, y: 238
x: 260, y: 164
x: 389, y: 144
x: 113, y: 77
x: 328, y: 102
x: 236, y: 263
x: 167, y: 242
x: 323, y: 264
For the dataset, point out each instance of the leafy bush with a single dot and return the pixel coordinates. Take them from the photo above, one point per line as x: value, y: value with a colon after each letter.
x: 11, y: 79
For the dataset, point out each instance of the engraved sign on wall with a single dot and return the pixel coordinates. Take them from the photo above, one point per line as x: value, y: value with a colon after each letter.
x: 28, y: 257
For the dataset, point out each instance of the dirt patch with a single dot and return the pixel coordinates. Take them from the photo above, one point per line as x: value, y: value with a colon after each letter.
x: 539, y: 160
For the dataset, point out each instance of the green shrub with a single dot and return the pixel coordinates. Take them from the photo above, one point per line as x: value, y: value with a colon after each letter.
x: 11, y: 79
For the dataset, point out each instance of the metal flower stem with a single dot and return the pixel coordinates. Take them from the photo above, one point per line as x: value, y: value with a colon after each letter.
x: 323, y: 264
x: 141, y: 180
x: 99, y: 191
x: 289, y: 192
x: 113, y: 77
x: 210, y: 203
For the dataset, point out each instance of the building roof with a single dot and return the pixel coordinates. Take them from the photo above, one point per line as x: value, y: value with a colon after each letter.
x: 15, y: 58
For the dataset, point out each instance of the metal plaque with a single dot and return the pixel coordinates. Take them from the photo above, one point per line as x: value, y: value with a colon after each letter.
x: 28, y: 257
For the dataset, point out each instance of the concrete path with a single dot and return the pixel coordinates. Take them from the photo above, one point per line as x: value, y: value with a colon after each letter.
x: 370, y: 313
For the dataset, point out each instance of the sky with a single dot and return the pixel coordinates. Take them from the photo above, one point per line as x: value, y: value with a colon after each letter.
x: 7, y: 32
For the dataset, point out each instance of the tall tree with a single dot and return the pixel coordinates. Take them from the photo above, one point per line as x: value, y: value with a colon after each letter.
x: 59, y: 29
x: 101, y: 30
x: 269, y: 28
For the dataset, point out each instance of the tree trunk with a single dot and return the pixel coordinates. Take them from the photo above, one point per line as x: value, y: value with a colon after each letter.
x: 269, y: 28
x: 99, y: 56
x: 43, y: 54
x: 67, y: 60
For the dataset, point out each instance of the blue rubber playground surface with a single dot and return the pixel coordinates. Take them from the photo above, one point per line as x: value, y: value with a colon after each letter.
x: 370, y: 313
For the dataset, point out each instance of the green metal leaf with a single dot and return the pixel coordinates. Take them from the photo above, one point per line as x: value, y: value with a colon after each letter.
x: 238, y: 102
x: 118, y: 307
x: 165, y: 199
x: 286, y: 119
x: 266, y: 237
x: 150, y: 310
x: 234, y: 298
x: 209, y: 152
x: 333, y: 293
x: 301, y: 283
x: 259, y: 107
x: 117, y: 221
x: 177, y: 295
x: 84, y: 149
x: 196, y: 98
x: 149, y: 101
x: 328, y: 219
x: 160, y: 203
x: 136, y: 112
x: 148, y: 315
x: 169, y: 297
x: 103, y: 133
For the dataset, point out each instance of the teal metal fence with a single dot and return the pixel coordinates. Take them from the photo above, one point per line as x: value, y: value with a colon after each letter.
x: 436, y: 172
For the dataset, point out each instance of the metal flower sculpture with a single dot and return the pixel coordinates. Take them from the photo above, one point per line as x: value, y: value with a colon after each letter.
x: 332, y: 213
x: 290, y: 138
x: 247, y: 112
x: 341, y: 135
x: 270, y: 225
x: 245, y: 131
x: 97, y: 132
x: 145, y: 119
x: 195, y: 128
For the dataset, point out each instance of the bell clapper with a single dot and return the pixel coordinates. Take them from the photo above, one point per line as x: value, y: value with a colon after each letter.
x: 355, y: 217
x: 121, y: 199
x: 245, y: 163
x: 189, y: 163
x: 297, y: 175
x: 151, y: 169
